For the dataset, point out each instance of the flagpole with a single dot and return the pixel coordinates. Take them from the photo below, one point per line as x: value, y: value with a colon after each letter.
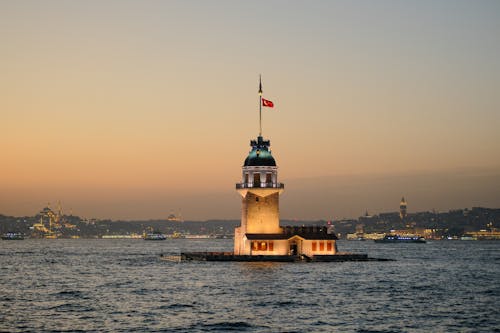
x: 260, y: 105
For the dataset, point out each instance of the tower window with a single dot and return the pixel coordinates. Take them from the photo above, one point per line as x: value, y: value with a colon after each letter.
x: 269, y: 178
x: 256, y: 179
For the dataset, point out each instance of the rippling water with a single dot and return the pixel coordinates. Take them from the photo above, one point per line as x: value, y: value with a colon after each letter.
x: 122, y: 286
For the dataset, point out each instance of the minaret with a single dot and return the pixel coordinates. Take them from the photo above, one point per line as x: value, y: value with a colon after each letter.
x: 402, y: 208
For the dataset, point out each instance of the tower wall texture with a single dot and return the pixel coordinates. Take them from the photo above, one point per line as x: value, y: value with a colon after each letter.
x: 261, y: 214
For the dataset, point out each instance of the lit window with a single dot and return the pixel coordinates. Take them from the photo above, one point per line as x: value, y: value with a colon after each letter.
x: 271, y: 246
x: 321, y: 246
x: 313, y: 246
x: 260, y: 246
x: 329, y: 246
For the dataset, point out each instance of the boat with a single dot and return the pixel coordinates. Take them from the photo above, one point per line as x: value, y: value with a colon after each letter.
x: 154, y: 236
x: 13, y: 236
x: 400, y: 239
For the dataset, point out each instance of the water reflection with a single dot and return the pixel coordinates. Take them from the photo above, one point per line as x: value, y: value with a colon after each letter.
x: 121, y: 285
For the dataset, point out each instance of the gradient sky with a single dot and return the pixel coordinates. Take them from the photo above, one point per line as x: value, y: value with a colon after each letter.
x: 136, y: 109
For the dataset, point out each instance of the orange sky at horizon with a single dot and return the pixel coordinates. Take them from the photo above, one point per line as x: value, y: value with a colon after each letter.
x: 101, y: 99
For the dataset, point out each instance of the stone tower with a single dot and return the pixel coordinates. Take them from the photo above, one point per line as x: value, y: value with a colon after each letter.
x: 260, y: 191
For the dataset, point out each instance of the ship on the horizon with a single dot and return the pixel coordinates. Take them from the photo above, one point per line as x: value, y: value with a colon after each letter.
x: 13, y: 236
x: 400, y: 239
x: 155, y: 235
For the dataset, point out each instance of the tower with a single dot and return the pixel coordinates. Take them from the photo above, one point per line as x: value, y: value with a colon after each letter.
x: 402, y: 208
x: 260, y: 191
x: 260, y: 233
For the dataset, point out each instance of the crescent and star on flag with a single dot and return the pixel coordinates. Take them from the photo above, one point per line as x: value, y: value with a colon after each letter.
x: 262, y: 102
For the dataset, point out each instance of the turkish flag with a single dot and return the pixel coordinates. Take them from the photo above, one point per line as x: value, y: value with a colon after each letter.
x: 267, y: 103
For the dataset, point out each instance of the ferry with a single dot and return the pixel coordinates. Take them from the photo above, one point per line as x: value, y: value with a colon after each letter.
x: 400, y: 239
x: 13, y: 236
x: 154, y: 236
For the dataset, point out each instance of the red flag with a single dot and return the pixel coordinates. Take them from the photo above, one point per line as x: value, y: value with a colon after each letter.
x: 267, y: 103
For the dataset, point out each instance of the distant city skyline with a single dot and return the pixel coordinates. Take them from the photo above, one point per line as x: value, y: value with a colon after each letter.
x: 329, y: 198
x: 129, y: 110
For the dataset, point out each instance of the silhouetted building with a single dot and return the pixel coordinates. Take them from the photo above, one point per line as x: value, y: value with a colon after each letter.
x: 402, y: 208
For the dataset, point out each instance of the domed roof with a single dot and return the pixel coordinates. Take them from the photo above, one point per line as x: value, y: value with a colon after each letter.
x: 260, y: 158
x: 260, y: 155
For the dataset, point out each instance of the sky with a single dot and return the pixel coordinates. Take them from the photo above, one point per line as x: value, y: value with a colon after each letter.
x: 138, y: 109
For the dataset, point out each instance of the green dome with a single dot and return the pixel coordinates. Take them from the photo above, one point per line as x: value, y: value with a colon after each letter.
x: 260, y: 154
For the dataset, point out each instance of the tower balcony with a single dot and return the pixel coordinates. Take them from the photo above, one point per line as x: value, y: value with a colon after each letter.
x: 240, y: 186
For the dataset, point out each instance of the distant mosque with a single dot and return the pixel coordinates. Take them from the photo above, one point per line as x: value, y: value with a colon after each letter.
x: 260, y: 232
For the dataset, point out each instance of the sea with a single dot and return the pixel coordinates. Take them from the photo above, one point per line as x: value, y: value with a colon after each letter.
x: 121, y: 285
